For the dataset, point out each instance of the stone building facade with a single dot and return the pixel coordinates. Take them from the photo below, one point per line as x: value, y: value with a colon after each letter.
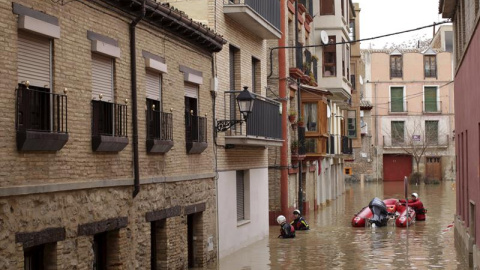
x: 85, y: 183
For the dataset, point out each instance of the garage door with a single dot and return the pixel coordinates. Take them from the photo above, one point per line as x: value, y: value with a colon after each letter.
x: 396, y: 167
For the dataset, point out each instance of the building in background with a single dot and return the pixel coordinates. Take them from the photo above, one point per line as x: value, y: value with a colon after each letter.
x: 412, y: 96
x: 241, y: 150
x: 465, y: 16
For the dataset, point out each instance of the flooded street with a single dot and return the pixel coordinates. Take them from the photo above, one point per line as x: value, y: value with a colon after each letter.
x: 332, y: 243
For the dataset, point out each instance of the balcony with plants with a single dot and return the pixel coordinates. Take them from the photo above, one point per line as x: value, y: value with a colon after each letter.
x: 261, y: 17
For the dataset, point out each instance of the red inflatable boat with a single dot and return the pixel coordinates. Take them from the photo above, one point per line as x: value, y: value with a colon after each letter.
x: 361, y: 217
x: 404, y: 219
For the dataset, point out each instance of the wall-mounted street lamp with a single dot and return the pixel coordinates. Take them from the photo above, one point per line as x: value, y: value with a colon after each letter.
x: 245, y: 103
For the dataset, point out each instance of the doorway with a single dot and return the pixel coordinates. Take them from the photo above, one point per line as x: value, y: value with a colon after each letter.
x: 433, y: 168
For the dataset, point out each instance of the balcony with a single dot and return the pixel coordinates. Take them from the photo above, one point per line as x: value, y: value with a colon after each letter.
x: 400, y: 107
x: 261, y: 17
x: 195, y: 133
x: 417, y: 142
x: 434, y: 107
x: 109, y: 126
x: 159, y: 131
x: 308, y: 5
x: 41, y: 120
x: 264, y: 125
x: 347, y: 145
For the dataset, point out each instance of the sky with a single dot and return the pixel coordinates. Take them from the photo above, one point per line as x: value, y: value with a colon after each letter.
x: 379, y: 17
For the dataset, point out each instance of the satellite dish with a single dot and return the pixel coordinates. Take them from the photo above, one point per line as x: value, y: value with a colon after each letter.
x: 324, y: 37
x: 361, y: 80
x: 329, y: 112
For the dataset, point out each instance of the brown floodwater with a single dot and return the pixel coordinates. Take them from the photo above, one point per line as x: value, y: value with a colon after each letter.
x: 332, y: 243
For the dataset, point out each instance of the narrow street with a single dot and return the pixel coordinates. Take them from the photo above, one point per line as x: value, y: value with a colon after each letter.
x: 332, y: 243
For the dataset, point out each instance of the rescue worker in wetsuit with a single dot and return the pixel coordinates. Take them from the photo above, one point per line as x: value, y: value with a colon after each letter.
x: 299, y: 223
x: 417, y: 205
x: 286, y: 230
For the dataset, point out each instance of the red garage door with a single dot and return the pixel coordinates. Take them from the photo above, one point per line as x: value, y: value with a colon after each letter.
x: 396, y: 167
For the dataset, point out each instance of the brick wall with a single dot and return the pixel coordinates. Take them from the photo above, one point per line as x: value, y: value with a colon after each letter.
x: 76, y: 165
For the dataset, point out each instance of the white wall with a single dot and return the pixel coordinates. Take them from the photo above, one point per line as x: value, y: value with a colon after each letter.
x: 232, y: 235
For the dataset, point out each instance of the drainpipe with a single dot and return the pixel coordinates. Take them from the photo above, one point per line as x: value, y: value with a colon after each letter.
x: 299, y: 59
x: 133, y: 72
x: 283, y: 94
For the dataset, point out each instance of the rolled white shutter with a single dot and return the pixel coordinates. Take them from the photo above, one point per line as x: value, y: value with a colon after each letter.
x: 102, y: 77
x: 153, y: 85
x: 191, y: 90
x: 34, y: 64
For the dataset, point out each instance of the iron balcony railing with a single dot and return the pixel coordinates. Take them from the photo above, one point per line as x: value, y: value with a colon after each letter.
x: 346, y: 145
x: 264, y: 121
x: 268, y: 9
x: 109, y: 119
x: 39, y: 110
x: 400, y: 106
x: 195, y: 128
x: 159, y: 125
x: 432, y: 106
x: 417, y: 141
x: 331, y: 145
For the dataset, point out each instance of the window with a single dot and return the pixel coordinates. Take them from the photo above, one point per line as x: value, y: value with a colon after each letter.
x: 256, y: 74
x: 158, y: 122
x: 40, y: 257
x: 102, y: 77
x: 352, y: 124
x: 448, y: 41
x: 397, y: 99
x: 351, y: 35
x: 34, y: 66
x: 352, y: 76
x: 343, y: 7
x: 431, y: 132
x: 327, y: 7
x: 100, y: 251
x: 243, y: 196
x: 430, y: 65
x: 398, y: 132
x: 430, y: 97
x: 344, y: 51
x: 330, y: 58
x: 310, y: 116
x: 193, y: 123
x: 396, y: 66
x: 234, y: 64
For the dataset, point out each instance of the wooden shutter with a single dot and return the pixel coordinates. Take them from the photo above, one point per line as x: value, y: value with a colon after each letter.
x: 102, y: 77
x: 240, y: 196
x: 153, y: 86
x: 396, y: 96
x: 191, y: 90
x: 34, y: 59
x: 430, y: 99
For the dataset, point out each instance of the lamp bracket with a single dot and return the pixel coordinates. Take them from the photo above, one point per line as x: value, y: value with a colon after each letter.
x: 224, y: 125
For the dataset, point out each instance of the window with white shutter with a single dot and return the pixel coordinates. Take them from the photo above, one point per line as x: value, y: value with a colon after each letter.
x: 191, y: 90
x: 102, y: 77
x: 153, y: 85
x: 34, y: 59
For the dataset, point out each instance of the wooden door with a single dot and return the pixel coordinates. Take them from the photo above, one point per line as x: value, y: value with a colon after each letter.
x: 433, y: 168
x: 396, y: 167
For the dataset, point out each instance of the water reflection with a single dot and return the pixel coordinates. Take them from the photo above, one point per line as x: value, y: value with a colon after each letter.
x: 333, y: 244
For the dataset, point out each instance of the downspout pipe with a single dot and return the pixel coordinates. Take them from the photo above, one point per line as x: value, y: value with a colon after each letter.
x: 283, y: 94
x: 133, y: 72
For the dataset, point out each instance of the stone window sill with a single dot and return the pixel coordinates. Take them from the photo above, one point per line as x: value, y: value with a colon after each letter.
x: 243, y: 222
